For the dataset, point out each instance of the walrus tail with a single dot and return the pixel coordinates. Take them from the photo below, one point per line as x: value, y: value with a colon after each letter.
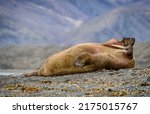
x: 34, y: 73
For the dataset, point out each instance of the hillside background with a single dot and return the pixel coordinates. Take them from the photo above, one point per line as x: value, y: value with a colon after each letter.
x: 68, y: 22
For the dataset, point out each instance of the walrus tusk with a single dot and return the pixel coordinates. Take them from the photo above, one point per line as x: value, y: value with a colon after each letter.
x: 121, y: 51
x: 118, y: 46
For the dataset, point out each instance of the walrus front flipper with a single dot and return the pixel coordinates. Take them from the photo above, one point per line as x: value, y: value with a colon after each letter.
x: 34, y: 73
x: 83, y: 59
x: 128, y: 41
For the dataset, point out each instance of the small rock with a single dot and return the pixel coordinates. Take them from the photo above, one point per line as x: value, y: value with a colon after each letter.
x: 148, y: 79
x: 145, y: 84
x: 28, y: 89
x: 46, y: 82
x: 67, y: 80
x: 108, y: 89
x: 11, y: 87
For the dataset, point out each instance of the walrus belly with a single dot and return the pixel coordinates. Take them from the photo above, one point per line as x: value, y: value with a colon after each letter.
x: 64, y: 63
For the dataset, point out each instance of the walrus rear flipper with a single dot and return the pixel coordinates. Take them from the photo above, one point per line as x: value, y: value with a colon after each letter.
x: 34, y: 73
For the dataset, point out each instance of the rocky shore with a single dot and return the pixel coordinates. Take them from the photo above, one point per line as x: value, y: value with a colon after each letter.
x: 123, y: 82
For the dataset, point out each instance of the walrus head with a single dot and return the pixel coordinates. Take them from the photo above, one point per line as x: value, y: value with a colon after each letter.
x: 125, y: 46
x: 128, y: 44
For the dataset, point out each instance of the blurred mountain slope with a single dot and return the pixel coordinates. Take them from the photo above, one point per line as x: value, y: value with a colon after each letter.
x: 72, y: 21
x: 131, y: 21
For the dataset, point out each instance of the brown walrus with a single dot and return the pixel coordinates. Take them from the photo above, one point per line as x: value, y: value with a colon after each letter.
x: 89, y: 57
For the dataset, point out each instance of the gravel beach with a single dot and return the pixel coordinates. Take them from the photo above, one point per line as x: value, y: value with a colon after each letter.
x: 124, y: 82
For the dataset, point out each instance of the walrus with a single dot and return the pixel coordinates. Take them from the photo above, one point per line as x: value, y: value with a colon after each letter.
x: 88, y: 57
